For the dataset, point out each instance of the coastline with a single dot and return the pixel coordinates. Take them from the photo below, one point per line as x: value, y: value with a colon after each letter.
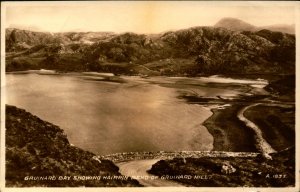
x: 228, y: 132
x: 227, y: 127
x: 275, y: 128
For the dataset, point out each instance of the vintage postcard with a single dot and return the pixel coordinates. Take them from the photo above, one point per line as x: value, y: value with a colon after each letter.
x: 149, y: 96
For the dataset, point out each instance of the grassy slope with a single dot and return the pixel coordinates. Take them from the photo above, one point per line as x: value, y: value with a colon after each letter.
x: 38, y: 148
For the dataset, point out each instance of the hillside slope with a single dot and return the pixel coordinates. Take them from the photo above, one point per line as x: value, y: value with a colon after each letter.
x: 37, y: 151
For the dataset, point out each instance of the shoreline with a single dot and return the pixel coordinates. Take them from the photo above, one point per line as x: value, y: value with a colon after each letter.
x: 249, y: 77
x: 227, y: 125
x: 275, y: 146
x: 226, y: 130
x: 252, y: 76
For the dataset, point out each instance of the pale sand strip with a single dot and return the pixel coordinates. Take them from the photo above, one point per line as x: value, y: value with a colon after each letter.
x: 264, y: 147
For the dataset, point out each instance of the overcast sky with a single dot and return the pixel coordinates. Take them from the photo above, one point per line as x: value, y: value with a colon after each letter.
x: 140, y: 17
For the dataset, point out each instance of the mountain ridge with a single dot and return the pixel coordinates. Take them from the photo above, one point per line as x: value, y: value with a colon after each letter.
x: 192, y: 51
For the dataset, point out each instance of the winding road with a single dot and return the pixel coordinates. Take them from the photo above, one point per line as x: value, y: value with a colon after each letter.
x: 138, y: 168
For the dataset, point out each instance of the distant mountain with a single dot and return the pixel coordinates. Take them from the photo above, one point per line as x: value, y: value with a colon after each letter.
x: 239, y: 25
x: 235, y: 25
x: 281, y: 28
x: 192, y: 51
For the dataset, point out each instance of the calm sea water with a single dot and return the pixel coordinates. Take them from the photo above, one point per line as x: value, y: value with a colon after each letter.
x: 104, y: 117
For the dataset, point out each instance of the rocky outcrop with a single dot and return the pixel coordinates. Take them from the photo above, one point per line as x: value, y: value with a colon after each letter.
x: 38, y: 153
x: 227, y: 168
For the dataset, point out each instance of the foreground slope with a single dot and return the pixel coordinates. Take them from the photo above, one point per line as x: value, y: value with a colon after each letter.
x: 37, y: 150
x: 231, y: 171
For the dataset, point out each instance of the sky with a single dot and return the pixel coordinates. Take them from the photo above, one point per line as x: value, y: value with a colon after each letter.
x: 140, y: 16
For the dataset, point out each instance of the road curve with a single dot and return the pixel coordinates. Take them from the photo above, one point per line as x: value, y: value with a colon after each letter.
x: 138, y: 168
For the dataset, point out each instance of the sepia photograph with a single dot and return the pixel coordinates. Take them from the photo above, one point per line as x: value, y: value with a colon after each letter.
x: 149, y: 95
